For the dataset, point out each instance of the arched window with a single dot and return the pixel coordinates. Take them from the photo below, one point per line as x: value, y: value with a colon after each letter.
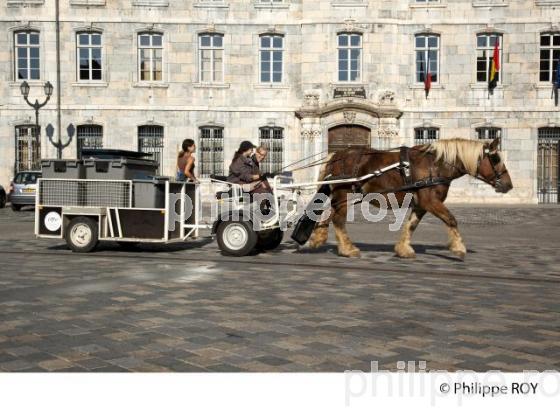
x: 211, y: 58
x: 150, y: 140
x: 150, y: 57
x: 89, y: 56
x: 88, y: 136
x: 485, y: 44
x: 271, y: 55
x: 549, y: 56
x: 211, y: 149
x: 27, y: 55
x: 349, y: 57
x: 273, y: 139
x: 427, y: 57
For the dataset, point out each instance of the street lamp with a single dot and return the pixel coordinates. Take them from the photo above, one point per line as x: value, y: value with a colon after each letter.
x: 48, y: 89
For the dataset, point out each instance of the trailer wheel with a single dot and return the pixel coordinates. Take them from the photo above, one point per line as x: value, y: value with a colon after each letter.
x: 81, y: 234
x: 270, y: 239
x: 236, y: 238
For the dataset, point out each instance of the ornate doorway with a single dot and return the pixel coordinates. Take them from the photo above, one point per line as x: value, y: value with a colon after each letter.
x: 347, y: 136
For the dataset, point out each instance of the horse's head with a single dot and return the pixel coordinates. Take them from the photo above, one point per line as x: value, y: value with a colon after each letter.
x: 491, y: 168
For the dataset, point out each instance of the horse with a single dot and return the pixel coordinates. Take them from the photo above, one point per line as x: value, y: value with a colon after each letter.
x: 431, y: 166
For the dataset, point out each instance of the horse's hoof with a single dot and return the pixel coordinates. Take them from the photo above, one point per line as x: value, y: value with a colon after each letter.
x: 460, y: 254
x: 405, y: 252
x: 352, y: 253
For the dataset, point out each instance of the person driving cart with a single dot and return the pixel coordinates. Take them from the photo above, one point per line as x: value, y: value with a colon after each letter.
x: 244, y: 169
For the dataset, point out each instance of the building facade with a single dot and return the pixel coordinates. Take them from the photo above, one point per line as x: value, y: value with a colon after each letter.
x: 303, y: 76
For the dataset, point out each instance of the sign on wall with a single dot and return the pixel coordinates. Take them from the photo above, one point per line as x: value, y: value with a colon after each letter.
x: 349, y: 92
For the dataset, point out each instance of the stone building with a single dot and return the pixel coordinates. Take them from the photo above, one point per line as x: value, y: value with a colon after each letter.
x: 304, y: 76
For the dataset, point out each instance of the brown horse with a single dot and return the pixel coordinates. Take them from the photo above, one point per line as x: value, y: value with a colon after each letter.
x: 444, y: 160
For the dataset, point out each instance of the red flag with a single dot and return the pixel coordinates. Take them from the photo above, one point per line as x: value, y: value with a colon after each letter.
x: 494, y: 68
x: 427, y: 78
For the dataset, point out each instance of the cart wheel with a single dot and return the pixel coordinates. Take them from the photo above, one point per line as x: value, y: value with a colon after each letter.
x: 270, y: 239
x: 236, y: 238
x: 81, y: 234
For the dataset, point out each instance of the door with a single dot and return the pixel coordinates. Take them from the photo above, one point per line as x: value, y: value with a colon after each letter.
x: 547, y: 165
x: 344, y: 137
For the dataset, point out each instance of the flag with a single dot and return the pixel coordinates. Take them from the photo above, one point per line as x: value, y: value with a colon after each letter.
x: 556, y: 83
x: 427, y: 77
x: 494, y: 68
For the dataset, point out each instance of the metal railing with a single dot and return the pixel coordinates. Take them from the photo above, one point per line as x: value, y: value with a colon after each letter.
x: 85, y: 193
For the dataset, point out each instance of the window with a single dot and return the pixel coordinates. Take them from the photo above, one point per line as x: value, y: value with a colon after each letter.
x: 211, y: 58
x: 427, y: 52
x: 89, y: 137
x: 211, y: 151
x: 89, y: 57
x: 150, y: 57
x: 349, y: 57
x: 485, y: 44
x: 548, y: 156
x: 550, y: 54
x: 488, y: 133
x: 426, y: 1
x: 28, y: 149
x: 425, y: 135
x: 27, y: 55
x: 150, y: 140
x: 271, y: 56
x: 273, y: 139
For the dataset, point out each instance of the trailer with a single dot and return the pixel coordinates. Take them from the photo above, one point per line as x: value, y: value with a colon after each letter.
x: 84, y: 212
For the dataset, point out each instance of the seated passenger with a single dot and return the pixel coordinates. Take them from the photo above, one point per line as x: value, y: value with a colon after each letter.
x: 243, y: 170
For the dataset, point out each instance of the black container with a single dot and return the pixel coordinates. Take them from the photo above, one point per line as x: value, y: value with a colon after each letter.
x: 120, y: 168
x: 113, y: 154
x: 63, y: 168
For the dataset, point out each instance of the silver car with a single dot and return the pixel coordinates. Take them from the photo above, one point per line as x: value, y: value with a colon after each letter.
x: 23, y: 189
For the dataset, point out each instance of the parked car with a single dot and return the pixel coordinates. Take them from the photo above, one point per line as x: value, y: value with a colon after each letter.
x: 23, y: 189
x: 2, y: 197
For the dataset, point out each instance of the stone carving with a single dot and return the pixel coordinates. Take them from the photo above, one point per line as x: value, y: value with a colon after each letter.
x: 387, y: 98
x: 310, y: 133
x: 388, y: 131
x: 311, y: 100
x: 350, y: 116
x: 349, y: 24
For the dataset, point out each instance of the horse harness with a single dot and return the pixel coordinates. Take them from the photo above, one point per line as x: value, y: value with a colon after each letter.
x: 495, y: 159
x: 404, y: 167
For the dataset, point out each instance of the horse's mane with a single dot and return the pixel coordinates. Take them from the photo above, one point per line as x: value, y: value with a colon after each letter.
x: 455, y: 150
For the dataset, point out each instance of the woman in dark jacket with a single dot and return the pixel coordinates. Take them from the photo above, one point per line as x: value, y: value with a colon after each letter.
x: 243, y: 170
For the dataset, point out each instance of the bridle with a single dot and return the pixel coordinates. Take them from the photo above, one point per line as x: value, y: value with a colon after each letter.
x: 494, y: 159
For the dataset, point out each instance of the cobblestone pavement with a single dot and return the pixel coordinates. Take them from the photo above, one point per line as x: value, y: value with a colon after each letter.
x: 188, y: 308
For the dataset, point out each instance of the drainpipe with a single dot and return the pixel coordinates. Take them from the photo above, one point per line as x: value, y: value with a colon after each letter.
x: 58, y: 110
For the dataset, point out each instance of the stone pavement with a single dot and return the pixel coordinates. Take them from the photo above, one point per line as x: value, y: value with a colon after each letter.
x: 187, y: 308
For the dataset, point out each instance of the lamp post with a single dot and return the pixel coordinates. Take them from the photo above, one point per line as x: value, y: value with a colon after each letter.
x: 48, y: 88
